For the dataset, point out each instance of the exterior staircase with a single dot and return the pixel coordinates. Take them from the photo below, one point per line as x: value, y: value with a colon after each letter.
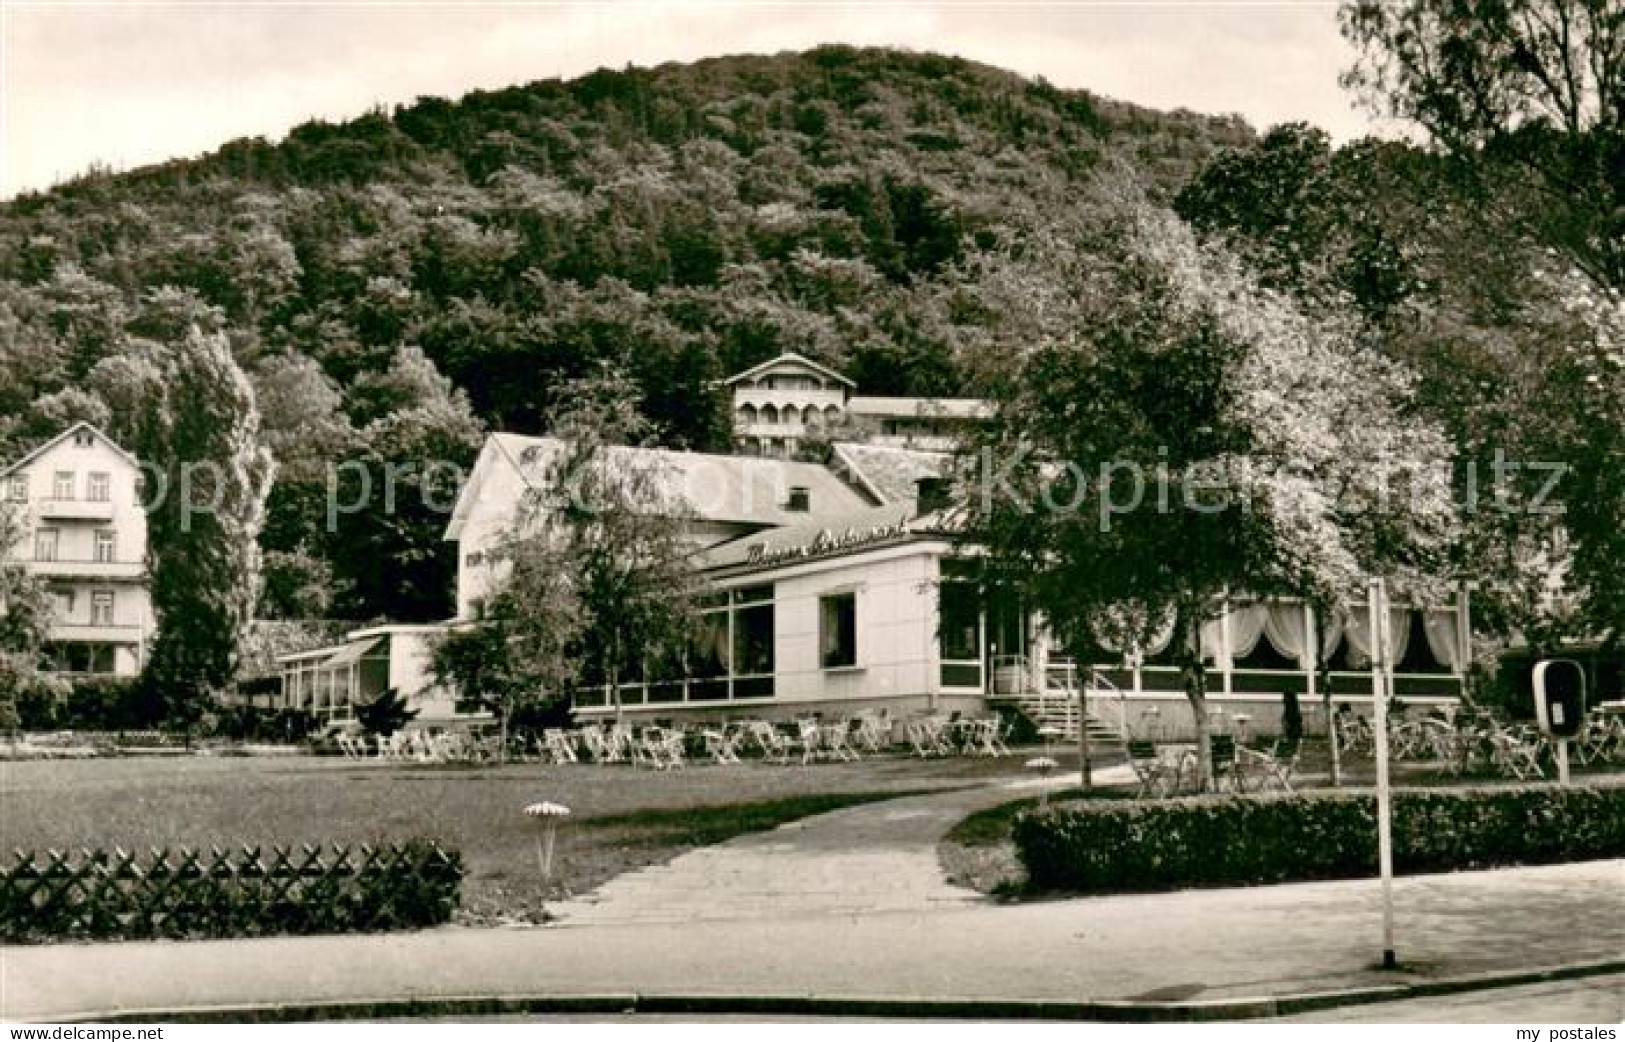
x: 1058, y: 707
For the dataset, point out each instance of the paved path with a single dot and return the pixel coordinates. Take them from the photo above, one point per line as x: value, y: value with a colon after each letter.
x: 1190, y: 946
x: 872, y: 858
x: 852, y: 905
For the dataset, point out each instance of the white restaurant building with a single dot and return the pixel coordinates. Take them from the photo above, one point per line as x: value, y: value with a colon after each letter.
x: 840, y: 586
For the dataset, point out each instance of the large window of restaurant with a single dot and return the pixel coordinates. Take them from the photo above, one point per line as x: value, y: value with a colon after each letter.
x: 731, y: 658
x: 838, y: 630
x: 959, y: 627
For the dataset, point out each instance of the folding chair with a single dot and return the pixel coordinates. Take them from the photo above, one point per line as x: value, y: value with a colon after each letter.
x: 1513, y: 754
x: 836, y: 739
x: 1223, y: 750
x: 1150, y: 769
x: 774, y: 745
x: 1259, y: 771
x: 811, y: 736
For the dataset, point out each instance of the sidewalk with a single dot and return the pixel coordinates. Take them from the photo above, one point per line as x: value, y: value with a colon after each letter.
x: 1133, y: 954
x: 868, y: 859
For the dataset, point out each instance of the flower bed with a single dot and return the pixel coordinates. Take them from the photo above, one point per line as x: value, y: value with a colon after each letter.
x: 1228, y: 841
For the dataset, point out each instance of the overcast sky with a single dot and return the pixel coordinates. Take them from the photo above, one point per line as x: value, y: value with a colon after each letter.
x: 126, y: 82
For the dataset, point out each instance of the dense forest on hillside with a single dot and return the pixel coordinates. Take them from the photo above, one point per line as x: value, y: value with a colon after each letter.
x: 398, y: 284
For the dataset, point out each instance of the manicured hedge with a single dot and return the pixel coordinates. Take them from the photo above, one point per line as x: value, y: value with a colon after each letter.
x: 1231, y: 841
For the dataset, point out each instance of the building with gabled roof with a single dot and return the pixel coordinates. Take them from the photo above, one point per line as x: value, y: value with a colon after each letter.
x: 780, y: 404
x: 84, y: 531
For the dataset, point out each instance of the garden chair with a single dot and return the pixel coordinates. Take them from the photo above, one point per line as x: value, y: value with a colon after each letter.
x: 619, y: 744
x: 925, y: 735
x: 1515, y: 754
x: 1354, y: 733
x: 597, y: 742
x: 1157, y: 777
x: 721, y: 744
x: 839, y: 739
x: 671, y: 748
x: 558, y: 746
x: 1222, y: 748
x: 395, y: 747
x: 421, y: 749
x: 774, y: 744
x: 1596, y: 741
x: 811, y: 736
x: 1260, y: 771
x: 986, y: 737
x: 874, y: 730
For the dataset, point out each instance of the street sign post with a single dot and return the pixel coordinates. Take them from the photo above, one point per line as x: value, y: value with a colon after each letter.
x: 1381, y: 678
x: 1560, y: 705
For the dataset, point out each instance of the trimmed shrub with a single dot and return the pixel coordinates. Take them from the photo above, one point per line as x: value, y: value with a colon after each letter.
x: 1228, y: 841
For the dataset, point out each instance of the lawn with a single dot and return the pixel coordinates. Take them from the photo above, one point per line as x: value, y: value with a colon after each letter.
x: 623, y: 818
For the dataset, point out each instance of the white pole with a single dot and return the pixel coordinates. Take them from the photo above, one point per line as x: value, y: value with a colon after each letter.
x: 1381, y: 675
x: 1562, y: 761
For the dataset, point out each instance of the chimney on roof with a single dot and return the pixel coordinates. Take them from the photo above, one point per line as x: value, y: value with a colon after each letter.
x: 930, y: 495
x: 800, y: 500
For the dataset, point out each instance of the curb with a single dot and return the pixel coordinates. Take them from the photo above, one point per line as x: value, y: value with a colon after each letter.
x: 888, y: 1007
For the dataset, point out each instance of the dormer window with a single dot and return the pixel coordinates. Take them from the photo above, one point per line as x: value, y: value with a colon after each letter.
x: 84, y: 439
x: 800, y: 500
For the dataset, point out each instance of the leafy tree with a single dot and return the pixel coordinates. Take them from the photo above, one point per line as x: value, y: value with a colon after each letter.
x: 514, y: 659
x: 417, y: 439
x: 385, y: 714
x: 1531, y: 84
x: 609, y: 518
x: 1198, y: 436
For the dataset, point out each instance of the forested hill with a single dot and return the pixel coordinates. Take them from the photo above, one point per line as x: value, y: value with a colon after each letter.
x: 684, y: 222
x: 689, y: 219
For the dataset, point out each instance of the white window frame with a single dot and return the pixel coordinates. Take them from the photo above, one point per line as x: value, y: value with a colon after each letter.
x: 47, y: 544
x: 63, y: 479
x: 856, y: 657
x: 101, y: 608
x: 99, y: 487
x: 106, y: 551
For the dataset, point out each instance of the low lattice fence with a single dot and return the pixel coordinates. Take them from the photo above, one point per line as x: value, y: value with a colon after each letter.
x: 96, y: 895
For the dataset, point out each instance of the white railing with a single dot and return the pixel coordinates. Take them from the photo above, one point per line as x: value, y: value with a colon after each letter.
x: 1089, y: 698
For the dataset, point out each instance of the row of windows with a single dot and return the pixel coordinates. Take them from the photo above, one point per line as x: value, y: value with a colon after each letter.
x: 81, y: 657
x: 809, y: 416
x: 64, y: 486
x: 734, y: 656
x: 101, y: 605
x: 46, y: 541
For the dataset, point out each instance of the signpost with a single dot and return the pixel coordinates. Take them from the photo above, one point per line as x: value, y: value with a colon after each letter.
x: 1560, y: 705
x: 1381, y: 677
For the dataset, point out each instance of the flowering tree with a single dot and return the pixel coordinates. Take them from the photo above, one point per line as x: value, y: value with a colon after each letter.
x: 599, y: 589
x: 1194, y: 435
